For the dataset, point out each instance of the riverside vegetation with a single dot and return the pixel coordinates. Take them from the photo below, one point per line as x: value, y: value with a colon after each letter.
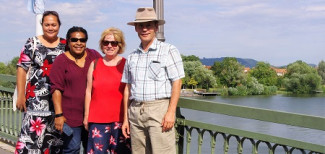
x: 228, y: 77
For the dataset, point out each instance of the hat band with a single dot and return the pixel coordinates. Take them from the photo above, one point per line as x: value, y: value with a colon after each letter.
x: 145, y: 19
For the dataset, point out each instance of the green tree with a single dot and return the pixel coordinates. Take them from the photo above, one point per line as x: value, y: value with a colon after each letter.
x: 3, y: 68
x: 195, y: 70
x: 253, y: 87
x: 216, y: 68
x: 301, y: 78
x: 205, y: 77
x: 189, y: 69
x: 230, y: 72
x: 190, y: 58
x: 264, y: 74
x: 192, y: 82
x: 321, y: 70
x: 10, y: 68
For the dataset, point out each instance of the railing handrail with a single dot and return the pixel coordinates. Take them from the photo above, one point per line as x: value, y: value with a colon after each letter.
x: 8, y: 90
x: 293, y: 119
x: 6, y: 78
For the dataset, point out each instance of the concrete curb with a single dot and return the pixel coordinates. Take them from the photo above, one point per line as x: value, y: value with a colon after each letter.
x: 6, y: 148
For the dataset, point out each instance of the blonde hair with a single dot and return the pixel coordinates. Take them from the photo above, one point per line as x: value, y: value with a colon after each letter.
x: 118, y: 36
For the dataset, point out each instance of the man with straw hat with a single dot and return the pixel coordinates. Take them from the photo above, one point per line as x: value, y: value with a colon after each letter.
x: 153, y: 75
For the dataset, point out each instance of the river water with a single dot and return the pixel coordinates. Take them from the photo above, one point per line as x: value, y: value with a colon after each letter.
x: 302, y: 104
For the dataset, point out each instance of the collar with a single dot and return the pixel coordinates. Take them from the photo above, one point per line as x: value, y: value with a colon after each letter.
x: 152, y: 47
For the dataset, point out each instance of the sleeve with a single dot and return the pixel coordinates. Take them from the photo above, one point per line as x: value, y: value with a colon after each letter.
x: 174, y: 65
x: 126, y: 78
x: 25, y: 58
x: 57, y: 74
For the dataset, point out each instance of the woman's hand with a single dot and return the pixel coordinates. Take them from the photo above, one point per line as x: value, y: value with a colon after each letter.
x: 86, y: 123
x: 126, y: 129
x: 59, y: 121
x: 21, y: 103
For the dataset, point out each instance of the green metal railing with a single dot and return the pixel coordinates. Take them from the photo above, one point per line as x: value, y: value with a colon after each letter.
x: 255, y: 140
x: 220, y: 138
x: 10, y: 121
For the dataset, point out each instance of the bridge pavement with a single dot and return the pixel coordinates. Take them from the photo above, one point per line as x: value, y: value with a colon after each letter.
x: 6, y: 148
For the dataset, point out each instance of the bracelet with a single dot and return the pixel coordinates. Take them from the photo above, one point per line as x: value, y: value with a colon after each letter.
x: 59, y: 115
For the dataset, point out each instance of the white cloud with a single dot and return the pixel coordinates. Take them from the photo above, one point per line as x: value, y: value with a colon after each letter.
x: 267, y: 30
x: 316, y: 8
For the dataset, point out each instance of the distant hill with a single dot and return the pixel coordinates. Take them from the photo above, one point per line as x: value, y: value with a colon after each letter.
x: 247, y: 62
x: 244, y: 61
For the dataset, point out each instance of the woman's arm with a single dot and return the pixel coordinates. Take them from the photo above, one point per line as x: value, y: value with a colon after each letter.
x: 88, y: 94
x: 57, y: 99
x: 126, y: 103
x: 57, y: 79
x: 21, y: 82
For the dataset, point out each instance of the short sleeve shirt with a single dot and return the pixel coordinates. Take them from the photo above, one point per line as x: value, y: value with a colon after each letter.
x: 39, y: 59
x: 67, y: 77
x: 151, y: 73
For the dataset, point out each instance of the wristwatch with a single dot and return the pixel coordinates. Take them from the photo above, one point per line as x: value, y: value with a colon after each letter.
x: 59, y: 115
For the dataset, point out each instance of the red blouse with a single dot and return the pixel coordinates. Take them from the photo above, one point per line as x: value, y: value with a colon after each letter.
x: 106, y: 103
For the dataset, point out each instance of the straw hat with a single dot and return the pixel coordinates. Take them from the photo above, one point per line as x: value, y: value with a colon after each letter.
x: 145, y: 14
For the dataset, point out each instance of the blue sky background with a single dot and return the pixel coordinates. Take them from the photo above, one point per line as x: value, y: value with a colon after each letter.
x: 275, y: 31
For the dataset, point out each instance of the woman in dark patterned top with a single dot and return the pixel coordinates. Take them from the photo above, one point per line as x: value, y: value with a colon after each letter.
x: 38, y: 134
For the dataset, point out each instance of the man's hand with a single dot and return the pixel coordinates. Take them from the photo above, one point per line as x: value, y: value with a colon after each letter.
x: 59, y: 121
x: 126, y: 129
x: 21, y: 104
x: 168, y: 121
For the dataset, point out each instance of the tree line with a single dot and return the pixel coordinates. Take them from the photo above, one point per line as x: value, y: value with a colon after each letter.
x: 10, y: 69
x: 229, y: 78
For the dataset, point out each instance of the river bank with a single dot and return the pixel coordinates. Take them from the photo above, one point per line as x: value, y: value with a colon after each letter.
x: 188, y: 93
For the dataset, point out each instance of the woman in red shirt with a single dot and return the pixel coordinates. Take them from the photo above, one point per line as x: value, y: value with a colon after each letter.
x: 104, y: 97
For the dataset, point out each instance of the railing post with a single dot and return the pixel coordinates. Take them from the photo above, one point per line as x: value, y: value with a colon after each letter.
x: 2, y: 111
x: 180, y: 132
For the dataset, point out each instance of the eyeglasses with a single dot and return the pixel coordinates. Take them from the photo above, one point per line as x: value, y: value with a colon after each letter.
x: 113, y: 43
x: 83, y: 40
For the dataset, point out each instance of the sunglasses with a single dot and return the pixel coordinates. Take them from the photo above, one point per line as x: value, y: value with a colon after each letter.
x: 83, y: 40
x: 113, y: 43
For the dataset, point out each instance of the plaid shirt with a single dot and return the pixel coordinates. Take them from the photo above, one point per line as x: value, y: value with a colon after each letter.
x: 151, y: 73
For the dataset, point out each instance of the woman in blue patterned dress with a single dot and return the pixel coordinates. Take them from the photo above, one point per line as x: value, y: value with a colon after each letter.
x: 38, y: 134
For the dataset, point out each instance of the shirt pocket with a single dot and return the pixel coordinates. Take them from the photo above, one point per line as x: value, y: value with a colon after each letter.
x: 156, y: 70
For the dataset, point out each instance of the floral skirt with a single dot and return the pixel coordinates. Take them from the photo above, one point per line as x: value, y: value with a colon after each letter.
x: 107, y: 138
x: 38, y: 134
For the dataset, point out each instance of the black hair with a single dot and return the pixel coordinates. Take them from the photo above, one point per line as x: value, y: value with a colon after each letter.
x: 54, y: 13
x: 75, y: 29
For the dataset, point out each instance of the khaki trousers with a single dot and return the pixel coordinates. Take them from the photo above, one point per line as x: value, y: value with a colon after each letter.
x: 145, y: 128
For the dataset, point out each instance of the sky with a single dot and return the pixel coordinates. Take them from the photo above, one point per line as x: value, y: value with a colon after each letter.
x: 278, y: 32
